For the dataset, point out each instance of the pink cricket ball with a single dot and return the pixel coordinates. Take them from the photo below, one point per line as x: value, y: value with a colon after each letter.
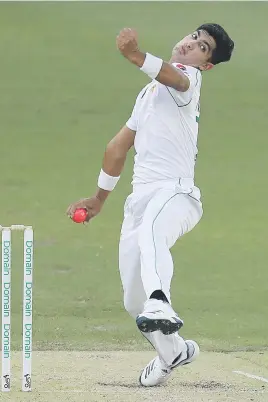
x: 79, y: 215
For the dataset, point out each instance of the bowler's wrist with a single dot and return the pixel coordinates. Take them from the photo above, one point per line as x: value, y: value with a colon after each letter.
x: 101, y: 195
x: 137, y: 58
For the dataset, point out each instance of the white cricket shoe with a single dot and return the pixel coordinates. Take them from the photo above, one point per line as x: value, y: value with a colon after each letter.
x: 158, y: 316
x: 157, y: 372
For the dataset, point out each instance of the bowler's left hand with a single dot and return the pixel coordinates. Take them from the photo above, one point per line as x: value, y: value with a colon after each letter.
x: 127, y: 43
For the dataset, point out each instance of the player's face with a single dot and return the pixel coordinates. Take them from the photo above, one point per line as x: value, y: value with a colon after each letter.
x: 195, y: 50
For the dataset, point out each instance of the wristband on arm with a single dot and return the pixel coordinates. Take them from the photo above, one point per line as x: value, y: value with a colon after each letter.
x: 152, y: 65
x: 107, y: 182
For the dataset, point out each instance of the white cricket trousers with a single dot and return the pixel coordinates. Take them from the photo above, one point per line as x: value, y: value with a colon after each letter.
x: 155, y: 216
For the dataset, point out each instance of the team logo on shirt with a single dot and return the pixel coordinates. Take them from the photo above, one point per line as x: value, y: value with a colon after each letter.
x: 181, y: 66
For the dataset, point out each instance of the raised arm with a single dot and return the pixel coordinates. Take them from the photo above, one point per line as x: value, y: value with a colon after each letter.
x: 154, y: 67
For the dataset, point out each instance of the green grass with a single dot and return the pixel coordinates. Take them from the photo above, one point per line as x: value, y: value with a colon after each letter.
x: 65, y: 91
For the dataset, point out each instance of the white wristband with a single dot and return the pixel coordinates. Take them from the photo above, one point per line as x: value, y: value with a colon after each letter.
x: 152, y: 66
x: 106, y: 182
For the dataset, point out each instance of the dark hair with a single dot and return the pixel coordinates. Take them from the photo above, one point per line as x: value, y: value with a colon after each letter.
x: 224, y: 44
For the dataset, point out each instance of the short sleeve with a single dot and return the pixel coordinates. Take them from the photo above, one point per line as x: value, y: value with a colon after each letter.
x: 194, y: 76
x: 132, y: 121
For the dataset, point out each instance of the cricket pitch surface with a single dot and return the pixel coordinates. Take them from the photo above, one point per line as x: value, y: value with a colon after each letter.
x: 113, y: 376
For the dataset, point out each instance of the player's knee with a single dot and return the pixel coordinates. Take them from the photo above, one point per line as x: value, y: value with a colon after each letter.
x: 151, y: 234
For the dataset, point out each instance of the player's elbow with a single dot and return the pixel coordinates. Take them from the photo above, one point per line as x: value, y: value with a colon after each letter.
x: 114, y: 150
x: 182, y: 84
x: 121, y: 143
x: 182, y: 88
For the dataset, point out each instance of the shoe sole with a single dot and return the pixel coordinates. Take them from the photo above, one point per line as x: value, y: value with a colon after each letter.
x: 167, y: 327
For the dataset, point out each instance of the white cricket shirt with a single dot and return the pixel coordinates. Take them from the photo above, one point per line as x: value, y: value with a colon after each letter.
x: 166, y: 125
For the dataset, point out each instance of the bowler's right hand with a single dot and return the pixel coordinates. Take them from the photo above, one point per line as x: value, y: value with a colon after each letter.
x: 93, y: 206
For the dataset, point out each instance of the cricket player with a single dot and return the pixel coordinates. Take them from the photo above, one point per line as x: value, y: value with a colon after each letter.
x: 165, y: 203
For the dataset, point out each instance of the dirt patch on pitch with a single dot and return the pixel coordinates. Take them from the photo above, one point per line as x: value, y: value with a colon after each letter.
x: 113, y: 377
